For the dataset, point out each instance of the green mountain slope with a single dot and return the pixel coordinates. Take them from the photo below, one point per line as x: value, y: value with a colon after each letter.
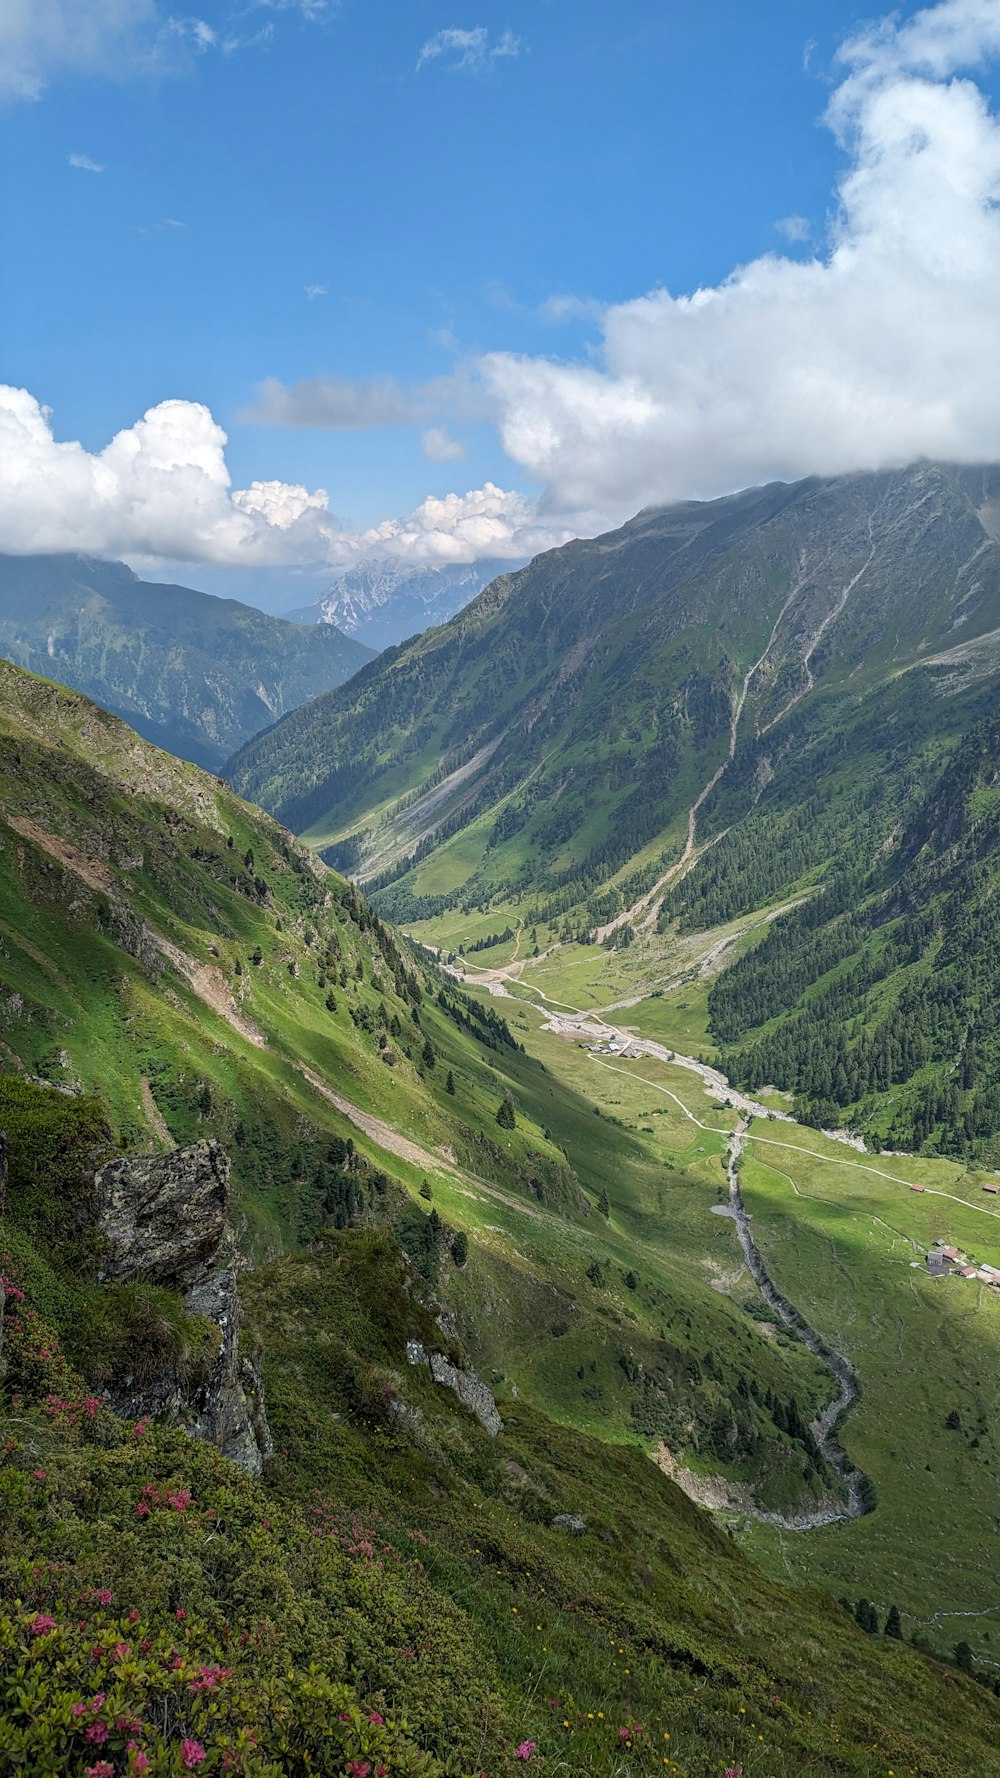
x: 401, y: 1594
x: 195, y: 674
x: 876, y: 1002
x: 566, y: 720
x: 169, y: 948
x: 711, y: 712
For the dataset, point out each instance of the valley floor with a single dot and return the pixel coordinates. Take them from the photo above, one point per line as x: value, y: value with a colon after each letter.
x: 844, y: 1238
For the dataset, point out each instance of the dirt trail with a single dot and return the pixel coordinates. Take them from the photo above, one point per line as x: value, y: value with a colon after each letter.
x: 204, y: 979
x: 209, y: 984
x: 399, y: 1145
x: 154, y: 1114
x: 90, y: 870
x: 380, y: 1132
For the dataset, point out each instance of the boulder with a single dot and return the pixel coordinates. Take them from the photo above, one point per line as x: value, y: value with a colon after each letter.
x: 471, y: 1391
x: 162, y: 1217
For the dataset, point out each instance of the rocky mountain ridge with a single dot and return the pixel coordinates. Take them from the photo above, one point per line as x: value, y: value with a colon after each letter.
x: 380, y: 603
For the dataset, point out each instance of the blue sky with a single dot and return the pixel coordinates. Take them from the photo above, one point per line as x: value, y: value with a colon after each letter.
x: 476, y: 200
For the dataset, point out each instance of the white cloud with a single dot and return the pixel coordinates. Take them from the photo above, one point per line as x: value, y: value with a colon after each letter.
x: 40, y: 39
x: 84, y: 162
x: 337, y: 403
x: 794, y: 228
x: 469, y: 51
x: 44, y: 40
x: 315, y: 290
x: 196, y: 31
x: 161, y: 490
x: 880, y: 349
x: 486, y: 521
x: 439, y: 448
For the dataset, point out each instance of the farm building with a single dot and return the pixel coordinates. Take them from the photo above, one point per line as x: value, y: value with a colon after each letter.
x: 992, y: 1188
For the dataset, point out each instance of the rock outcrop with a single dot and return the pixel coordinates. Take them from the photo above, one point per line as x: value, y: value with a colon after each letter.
x: 471, y: 1391
x: 163, y: 1219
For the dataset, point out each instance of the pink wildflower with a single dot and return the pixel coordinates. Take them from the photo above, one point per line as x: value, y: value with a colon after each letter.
x: 526, y: 1749
x: 98, y: 1733
x: 376, y: 1719
x: 79, y: 1709
x: 140, y: 1760
x: 104, y: 1596
x: 192, y: 1754
x: 358, y: 1768
x: 39, y: 1475
x: 141, y: 1427
x: 100, y: 1770
x: 41, y: 1624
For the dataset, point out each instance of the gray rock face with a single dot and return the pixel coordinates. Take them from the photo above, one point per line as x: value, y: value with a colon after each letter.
x: 471, y: 1391
x: 163, y: 1217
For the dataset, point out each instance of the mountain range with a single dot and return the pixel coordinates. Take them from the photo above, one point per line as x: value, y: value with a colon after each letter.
x: 719, y: 707
x: 196, y: 674
x: 380, y: 603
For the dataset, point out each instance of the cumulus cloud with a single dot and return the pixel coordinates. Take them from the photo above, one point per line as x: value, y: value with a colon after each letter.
x: 439, y: 448
x: 469, y: 52
x: 85, y: 164
x: 161, y: 490
x: 337, y: 403
x: 882, y: 348
x: 487, y: 521
x: 43, y: 38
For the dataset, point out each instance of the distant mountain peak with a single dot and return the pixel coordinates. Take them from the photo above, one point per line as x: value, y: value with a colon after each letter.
x: 381, y: 601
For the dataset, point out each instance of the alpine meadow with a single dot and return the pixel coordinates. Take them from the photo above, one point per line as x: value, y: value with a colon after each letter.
x: 499, y: 887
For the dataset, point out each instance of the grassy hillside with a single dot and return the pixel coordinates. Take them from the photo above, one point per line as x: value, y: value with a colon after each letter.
x: 396, y: 1596
x: 195, y: 674
x: 170, y: 949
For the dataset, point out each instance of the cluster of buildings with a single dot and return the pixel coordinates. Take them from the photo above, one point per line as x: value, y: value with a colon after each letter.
x: 615, y: 1046
x: 941, y: 1259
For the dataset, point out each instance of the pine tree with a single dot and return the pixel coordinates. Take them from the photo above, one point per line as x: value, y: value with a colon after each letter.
x: 604, y: 1203
x: 428, y: 1054
x: 449, y: 1085
x: 893, y: 1627
x: 505, y: 1113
